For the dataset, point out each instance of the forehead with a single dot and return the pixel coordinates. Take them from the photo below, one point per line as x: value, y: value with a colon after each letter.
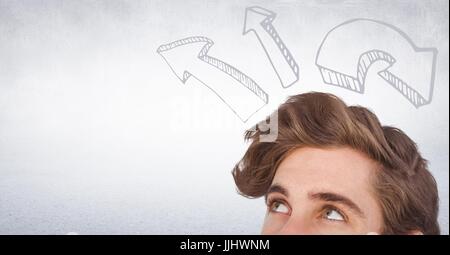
x: 341, y: 170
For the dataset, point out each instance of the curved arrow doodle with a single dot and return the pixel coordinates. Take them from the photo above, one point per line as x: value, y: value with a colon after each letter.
x: 349, y: 49
x: 189, y: 57
x: 259, y: 20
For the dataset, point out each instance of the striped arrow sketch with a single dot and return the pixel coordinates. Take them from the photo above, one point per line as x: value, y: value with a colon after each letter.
x: 189, y: 57
x: 349, y: 49
x: 259, y: 20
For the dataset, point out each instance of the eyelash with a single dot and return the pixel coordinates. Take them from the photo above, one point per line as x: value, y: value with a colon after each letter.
x: 271, y: 201
x: 333, y: 208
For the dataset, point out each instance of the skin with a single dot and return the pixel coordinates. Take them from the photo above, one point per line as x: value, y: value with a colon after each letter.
x: 323, y: 191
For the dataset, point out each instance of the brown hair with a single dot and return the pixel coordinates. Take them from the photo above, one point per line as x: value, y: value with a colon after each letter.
x: 405, y: 189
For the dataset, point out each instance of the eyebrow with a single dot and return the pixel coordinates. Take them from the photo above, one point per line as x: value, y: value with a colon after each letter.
x: 333, y: 197
x: 276, y: 188
x: 324, y: 196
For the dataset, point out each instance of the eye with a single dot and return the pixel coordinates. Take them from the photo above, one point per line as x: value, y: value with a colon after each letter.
x: 333, y: 215
x: 279, y: 207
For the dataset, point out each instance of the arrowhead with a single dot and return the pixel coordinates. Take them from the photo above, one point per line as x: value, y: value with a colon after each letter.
x: 182, y: 54
x: 422, y: 79
x: 254, y: 16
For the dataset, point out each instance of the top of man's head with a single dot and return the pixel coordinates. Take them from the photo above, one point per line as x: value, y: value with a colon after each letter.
x: 405, y: 189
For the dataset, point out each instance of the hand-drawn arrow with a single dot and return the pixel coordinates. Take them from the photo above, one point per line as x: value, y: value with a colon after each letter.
x: 349, y: 49
x: 189, y: 57
x: 259, y: 20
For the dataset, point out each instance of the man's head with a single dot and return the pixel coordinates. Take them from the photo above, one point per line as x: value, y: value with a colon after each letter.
x: 334, y: 169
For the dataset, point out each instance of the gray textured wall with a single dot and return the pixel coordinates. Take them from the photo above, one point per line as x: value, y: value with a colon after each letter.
x: 98, y: 136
